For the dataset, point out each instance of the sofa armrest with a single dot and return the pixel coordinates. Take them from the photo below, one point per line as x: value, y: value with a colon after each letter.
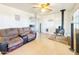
x: 3, y: 48
x: 25, y: 38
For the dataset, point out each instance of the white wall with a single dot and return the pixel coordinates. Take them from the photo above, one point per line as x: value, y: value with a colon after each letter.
x: 7, y: 17
x: 51, y: 22
x: 56, y: 21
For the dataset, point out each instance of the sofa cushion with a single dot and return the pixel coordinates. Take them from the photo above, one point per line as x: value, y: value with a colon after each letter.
x: 20, y: 30
x: 31, y: 36
x: 26, y: 29
x: 15, y: 41
x: 8, y: 32
x: 12, y: 32
x: 6, y: 39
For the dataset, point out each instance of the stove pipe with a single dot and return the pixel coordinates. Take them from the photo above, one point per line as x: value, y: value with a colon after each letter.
x: 62, y: 18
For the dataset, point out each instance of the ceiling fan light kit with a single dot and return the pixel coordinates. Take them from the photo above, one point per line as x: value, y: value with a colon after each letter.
x: 44, y: 7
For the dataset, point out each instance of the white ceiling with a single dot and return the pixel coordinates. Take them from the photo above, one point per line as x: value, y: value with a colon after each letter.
x: 28, y: 7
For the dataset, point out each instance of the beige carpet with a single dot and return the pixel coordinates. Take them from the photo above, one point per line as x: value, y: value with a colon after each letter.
x: 42, y: 46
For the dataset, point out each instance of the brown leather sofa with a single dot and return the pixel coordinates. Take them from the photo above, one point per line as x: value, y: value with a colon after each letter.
x: 13, y: 38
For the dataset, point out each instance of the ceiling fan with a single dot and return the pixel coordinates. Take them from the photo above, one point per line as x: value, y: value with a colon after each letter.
x: 43, y: 7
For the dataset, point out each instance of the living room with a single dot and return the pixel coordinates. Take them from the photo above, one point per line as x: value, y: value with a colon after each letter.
x: 46, y: 28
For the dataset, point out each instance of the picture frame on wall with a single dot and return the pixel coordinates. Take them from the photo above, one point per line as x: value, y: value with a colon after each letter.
x: 17, y: 17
